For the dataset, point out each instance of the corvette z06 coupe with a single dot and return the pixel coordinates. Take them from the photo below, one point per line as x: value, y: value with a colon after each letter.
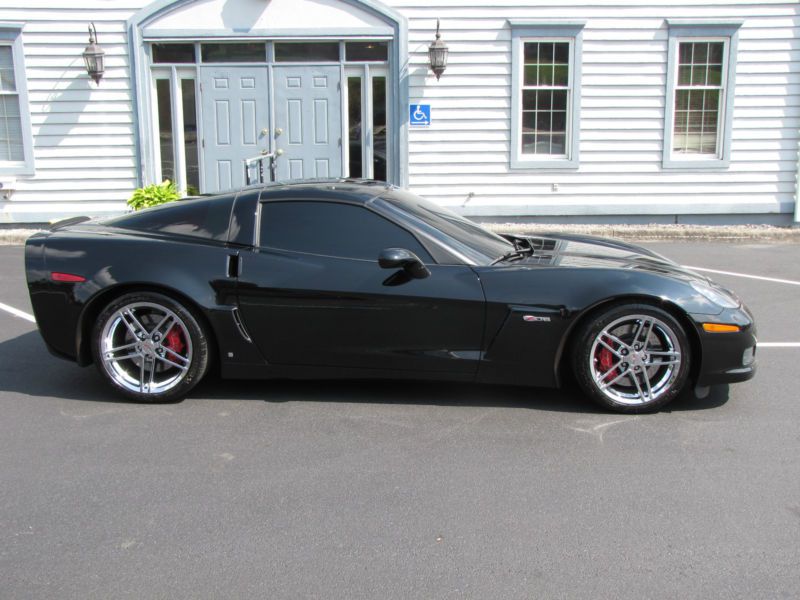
x: 358, y: 279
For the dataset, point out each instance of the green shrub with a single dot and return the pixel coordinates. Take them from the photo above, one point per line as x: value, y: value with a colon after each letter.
x: 153, y: 195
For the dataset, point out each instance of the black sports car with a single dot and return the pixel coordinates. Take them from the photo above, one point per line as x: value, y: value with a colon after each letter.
x: 358, y: 279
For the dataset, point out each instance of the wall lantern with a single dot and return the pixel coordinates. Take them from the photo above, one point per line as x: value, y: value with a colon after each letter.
x: 94, y: 56
x: 437, y: 54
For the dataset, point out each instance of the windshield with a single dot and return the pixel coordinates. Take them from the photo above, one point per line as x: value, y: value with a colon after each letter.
x: 460, y: 236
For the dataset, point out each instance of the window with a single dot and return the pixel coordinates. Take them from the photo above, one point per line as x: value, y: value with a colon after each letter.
x: 175, y: 123
x: 699, y: 103
x: 233, y: 53
x: 16, y: 141
x: 368, y: 151
x: 332, y: 229
x: 306, y: 52
x: 173, y: 53
x: 545, y: 100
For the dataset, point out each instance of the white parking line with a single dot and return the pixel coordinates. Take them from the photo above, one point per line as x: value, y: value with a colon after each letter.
x: 778, y: 344
x: 17, y: 313
x: 745, y: 275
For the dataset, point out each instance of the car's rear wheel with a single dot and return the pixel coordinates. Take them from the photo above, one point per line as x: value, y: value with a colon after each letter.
x: 632, y: 358
x: 149, y: 347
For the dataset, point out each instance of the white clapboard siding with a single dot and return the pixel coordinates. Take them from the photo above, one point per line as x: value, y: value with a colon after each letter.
x: 624, y: 66
x: 83, y: 134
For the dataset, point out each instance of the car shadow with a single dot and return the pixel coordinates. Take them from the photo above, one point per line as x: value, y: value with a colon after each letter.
x: 26, y: 367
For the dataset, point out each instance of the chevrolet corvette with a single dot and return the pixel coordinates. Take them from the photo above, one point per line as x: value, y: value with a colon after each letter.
x: 360, y: 279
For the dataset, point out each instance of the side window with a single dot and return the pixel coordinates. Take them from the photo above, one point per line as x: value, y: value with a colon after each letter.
x: 332, y: 229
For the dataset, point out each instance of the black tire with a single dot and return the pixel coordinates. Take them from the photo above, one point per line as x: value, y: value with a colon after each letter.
x: 149, y: 347
x: 631, y: 372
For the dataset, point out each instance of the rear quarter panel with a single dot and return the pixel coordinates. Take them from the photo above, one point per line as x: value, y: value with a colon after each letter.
x: 115, y: 263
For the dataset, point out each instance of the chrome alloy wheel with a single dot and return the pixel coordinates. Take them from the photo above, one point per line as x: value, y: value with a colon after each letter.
x: 146, y: 348
x: 635, y: 359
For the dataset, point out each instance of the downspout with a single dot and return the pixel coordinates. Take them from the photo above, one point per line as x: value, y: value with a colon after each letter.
x: 796, y: 222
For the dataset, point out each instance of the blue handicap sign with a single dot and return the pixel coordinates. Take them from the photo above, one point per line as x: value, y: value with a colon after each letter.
x: 419, y: 114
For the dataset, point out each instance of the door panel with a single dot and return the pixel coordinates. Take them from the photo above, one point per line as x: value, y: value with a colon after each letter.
x: 306, y: 309
x: 235, y: 110
x: 308, y: 111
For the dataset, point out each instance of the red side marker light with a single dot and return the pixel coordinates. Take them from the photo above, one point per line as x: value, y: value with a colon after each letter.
x: 66, y: 277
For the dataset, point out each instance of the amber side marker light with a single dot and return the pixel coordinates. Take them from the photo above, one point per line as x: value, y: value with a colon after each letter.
x: 720, y: 328
x: 66, y: 277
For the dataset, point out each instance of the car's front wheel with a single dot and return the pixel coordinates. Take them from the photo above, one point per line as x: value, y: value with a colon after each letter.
x: 149, y: 347
x: 632, y: 358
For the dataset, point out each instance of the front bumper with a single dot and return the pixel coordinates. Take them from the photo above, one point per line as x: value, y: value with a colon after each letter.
x: 727, y: 357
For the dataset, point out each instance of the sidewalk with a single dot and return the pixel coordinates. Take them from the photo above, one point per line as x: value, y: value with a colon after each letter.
x: 635, y: 233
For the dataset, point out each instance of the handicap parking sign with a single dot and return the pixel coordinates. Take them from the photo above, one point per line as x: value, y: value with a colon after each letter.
x: 419, y: 114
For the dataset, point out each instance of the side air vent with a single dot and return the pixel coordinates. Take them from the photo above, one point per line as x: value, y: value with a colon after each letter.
x: 238, y: 320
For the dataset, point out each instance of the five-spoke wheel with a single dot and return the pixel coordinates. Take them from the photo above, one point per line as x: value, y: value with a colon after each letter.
x: 150, y: 347
x: 632, y: 358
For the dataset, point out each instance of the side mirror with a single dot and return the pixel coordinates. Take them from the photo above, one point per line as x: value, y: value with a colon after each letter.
x: 400, y: 258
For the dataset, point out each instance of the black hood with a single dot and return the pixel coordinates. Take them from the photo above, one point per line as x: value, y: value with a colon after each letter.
x: 583, y: 251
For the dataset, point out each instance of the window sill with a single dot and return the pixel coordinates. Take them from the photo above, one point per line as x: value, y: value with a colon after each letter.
x: 695, y: 165
x: 544, y: 165
x: 16, y: 170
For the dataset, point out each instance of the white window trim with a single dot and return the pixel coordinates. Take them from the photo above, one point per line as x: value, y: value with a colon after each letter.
x: 701, y: 31
x: 546, y: 31
x: 11, y: 35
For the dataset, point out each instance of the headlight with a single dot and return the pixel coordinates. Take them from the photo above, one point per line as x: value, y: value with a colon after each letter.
x: 716, y: 296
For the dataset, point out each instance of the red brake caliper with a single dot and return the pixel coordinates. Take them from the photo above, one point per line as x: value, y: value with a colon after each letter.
x: 606, y: 360
x: 174, y: 341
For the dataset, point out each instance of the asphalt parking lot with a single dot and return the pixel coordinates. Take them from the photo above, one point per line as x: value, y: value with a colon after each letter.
x: 403, y: 490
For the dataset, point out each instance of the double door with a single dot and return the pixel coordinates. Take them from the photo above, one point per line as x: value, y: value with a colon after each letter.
x: 293, y: 112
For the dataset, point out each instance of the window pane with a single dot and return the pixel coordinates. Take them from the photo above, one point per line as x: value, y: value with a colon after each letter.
x: 715, y: 75
x: 561, y: 56
x: 10, y: 129
x: 190, y: 136
x: 379, y: 128
x: 684, y: 75
x: 529, y: 99
x: 531, y: 52
x: 165, y: 133
x: 696, y: 129
x: 355, y: 126
x: 528, y: 121
x: 332, y: 229
x: 366, y: 51
x: 560, y: 99
x: 699, y: 75
x: 224, y: 53
x: 700, y: 55
x: 530, y: 76
x: 715, y: 53
x: 546, y: 53
x: 559, y: 144
x: 7, y: 81
x: 307, y: 52
x: 173, y: 53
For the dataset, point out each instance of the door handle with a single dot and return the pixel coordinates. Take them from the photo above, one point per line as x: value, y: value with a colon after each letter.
x: 234, y: 266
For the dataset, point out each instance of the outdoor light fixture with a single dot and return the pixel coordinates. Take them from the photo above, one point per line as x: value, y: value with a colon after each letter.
x: 437, y: 54
x: 94, y: 56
